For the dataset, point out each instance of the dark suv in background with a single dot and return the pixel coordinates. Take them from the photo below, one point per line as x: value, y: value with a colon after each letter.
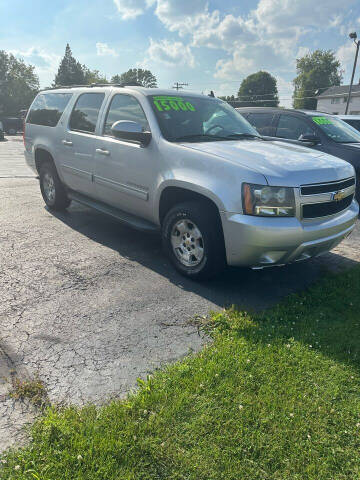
x: 316, y: 130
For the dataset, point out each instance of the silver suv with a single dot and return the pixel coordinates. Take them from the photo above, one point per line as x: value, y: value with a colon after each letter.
x: 194, y: 168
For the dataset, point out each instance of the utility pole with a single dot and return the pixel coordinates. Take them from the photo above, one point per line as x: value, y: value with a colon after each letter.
x: 353, y: 36
x: 180, y: 85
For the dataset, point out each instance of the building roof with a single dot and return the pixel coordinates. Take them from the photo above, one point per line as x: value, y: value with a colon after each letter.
x: 340, y: 90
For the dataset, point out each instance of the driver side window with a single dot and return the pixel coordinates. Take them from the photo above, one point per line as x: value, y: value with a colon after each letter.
x: 292, y: 127
x: 124, y: 107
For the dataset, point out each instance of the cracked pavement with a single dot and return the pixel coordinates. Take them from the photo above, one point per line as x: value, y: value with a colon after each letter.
x: 89, y: 305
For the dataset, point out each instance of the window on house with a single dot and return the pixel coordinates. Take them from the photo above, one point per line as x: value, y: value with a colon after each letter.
x: 335, y: 100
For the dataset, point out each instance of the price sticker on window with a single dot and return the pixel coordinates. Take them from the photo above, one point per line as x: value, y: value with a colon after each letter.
x: 322, y: 120
x: 165, y: 103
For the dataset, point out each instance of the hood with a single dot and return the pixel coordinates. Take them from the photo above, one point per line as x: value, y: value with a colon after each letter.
x: 282, y: 164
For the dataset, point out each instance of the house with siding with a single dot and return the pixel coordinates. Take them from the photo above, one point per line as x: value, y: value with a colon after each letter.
x: 333, y: 100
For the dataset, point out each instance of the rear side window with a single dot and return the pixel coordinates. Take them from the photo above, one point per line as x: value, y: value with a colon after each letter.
x: 125, y: 107
x: 86, y: 111
x: 262, y: 122
x: 47, y: 108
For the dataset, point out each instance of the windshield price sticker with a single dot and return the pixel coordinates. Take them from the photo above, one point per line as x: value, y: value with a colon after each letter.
x: 322, y: 120
x: 165, y: 103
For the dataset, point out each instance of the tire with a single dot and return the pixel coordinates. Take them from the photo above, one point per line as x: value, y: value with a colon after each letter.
x: 52, y: 190
x: 196, y: 257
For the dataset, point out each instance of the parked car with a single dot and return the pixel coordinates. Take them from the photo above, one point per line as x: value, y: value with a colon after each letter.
x: 320, y: 131
x: 12, y: 125
x: 192, y: 167
x: 2, y: 137
x: 353, y: 120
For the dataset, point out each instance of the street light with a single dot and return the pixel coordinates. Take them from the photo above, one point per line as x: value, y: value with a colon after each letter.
x: 353, y: 36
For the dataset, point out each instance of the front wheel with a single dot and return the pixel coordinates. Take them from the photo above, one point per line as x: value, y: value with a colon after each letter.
x: 193, y: 240
x: 52, y: 190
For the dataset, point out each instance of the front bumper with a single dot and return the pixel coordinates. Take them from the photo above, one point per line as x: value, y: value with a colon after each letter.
x: 261, y: 242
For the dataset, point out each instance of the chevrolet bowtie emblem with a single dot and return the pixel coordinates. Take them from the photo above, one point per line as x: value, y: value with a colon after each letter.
x: 337, y: 196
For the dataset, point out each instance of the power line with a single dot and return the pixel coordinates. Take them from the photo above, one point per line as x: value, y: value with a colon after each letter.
x: 180, y: 85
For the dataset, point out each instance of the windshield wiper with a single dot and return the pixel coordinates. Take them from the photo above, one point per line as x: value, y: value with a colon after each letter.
x: 199, y: 136
x: 232, y: 136
x: 242, y: 135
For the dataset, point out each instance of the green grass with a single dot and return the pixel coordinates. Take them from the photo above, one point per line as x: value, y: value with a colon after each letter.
x: 274, y: 396
x: 29, y: 389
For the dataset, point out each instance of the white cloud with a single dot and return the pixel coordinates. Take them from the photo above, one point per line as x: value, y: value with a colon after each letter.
x: 39, y: 57
x: 346, y: 54
x: 295, y: 17
x: 46, y: 64
x: 130, y: 9
x: 184, y: 16
x: 250, y: 58
x: 103, y: 49
x: 170, y: 53
x: 224, y: 34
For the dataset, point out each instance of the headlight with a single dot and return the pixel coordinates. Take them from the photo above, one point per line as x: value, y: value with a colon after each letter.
x: 267, y: 201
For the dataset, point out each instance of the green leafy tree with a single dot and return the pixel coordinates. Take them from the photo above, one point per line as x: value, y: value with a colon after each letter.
x: 93, y: 76
x: 259, y: 89
x: 70, y: 71
x: 18, y: 84
x: 316, y: 72
x: 136, y: 76
x: 228, y: 98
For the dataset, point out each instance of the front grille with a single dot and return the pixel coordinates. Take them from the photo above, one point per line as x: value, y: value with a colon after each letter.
x: 327, y: 187
x: 314, y: 210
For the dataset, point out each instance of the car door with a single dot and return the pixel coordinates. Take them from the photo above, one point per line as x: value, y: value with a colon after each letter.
x: 292, y: 127
x: 79, y: 142
x: 125, y: 171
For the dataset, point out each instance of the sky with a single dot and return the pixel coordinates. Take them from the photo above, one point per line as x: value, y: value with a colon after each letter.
x: 209, y: 44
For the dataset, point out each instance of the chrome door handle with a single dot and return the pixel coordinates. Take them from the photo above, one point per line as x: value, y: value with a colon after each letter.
x: 102, y: 151
x: 67, y: 143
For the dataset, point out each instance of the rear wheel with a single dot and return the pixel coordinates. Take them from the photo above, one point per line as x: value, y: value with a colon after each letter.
x: 52, y: 190
x: 193, y: 240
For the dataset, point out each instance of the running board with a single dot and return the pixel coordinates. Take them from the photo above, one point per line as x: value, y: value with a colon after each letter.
x: 127, y: 218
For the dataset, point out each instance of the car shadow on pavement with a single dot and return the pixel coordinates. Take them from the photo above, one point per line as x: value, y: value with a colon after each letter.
x: 246, y: 288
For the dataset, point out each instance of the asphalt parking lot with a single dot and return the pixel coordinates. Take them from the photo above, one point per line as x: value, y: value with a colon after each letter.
x: 89, y: 305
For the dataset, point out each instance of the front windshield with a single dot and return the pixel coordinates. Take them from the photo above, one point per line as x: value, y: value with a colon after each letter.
x: 188, y: 118
x: 353, y: 123
x: 337, y: 130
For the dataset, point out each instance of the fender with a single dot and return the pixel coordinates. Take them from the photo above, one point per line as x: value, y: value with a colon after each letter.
x: 185, y: 185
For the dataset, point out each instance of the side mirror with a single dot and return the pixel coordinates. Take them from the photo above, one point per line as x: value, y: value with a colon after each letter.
x: 309, y: 138
x: 133, y: 131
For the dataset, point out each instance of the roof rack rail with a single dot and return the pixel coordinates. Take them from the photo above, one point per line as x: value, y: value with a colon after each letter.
x: 91, y: 85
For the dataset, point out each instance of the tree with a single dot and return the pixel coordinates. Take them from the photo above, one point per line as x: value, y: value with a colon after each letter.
x: 18, y: 84
x: 259, y: 89
x: 136, y: 76
x: 93, y: 76
x: 316, y: 72
x: 228, y: 98
x: 70, y: 71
